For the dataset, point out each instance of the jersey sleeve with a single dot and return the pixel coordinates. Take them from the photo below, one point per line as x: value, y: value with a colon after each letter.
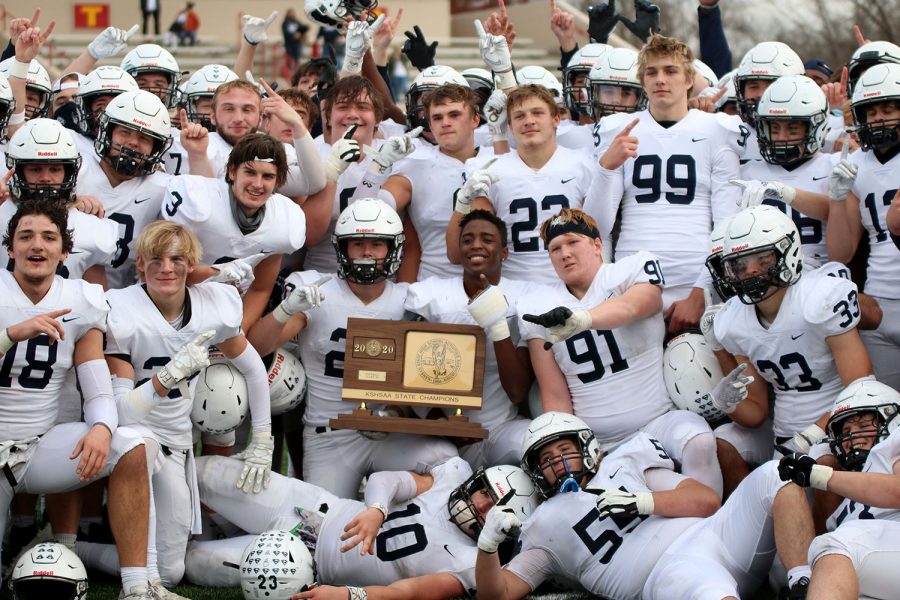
x: 96, y: 308
x: 228, y: 305
x: 642, y: 267
x: 189, y: 199
x: 533, y: 566
x: 724, y: 327
x: 120, y: 328
x: 419, y: 299
x: 295, y: 218
x: 831, y: 305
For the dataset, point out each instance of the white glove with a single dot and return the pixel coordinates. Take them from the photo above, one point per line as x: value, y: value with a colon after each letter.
x: 257, y: 463
x: 238, y: 272
x: 616, y: 502
x: 478, y: 184
x: 343, y: 152
x: 192, y: 357
x: 500, y: 524
x: 707, y: 322
x: 358, y: 40
x: 757, y: 191
x: 110, y: 42
x: 731, y: 389
x: 562, y: 323
x: 301, y: 298
x: 255, y: 28
x: 489, y: 310
x: 495, y: 54
x: 808, y: 438
x: 843, y: 175
x: 392, y: 150
x: 495, y: 113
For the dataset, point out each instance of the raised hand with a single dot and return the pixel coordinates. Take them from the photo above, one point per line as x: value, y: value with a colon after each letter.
x: 254, y: 29
x: 562, y: 24
x: 192, y: 357
x: 707, y: 322
x: 110, y: 42
x: 836, y: 92
x: 489, y: 310
x: 343, y: 152
x: 623, y: 147
x: 494, y: 50
x: 500, y: 524
x: 238, y: 273
x: 843, y: 175
x: 646, y: 20
x: 707, y: 99
x: 754, y: 192
x: 562, y: 323
x: 496, y: 115
x: 301, y: 298
x: 477, y: 185
x: 731, y: 389
x: 392, y: 150
x: 417, y: 49
x: 194, y: 136
x: 358, y: 41
x: 41, y: 324
x: 602, y: 19
x: 498, y: 23
x: 30, y: 41
x: 384, y: 35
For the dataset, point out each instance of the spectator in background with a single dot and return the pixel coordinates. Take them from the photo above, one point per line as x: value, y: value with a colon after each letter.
x: 150, y: 8
x: 818, y: 70
x: 294, y: 32
x: 191, y: 24
x: 332, y: 45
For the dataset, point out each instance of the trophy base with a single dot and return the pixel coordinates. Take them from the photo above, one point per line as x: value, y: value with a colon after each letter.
x: 364, y: 420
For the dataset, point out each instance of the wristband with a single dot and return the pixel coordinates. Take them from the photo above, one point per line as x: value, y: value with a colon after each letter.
x: 819, y: 476
x: 281, y: 315
x: 19, y: 69
x: 506, y: 80
x: 16, y: 119
x: 5, y: 342
x: 249, y: 42
x: 380, y: 507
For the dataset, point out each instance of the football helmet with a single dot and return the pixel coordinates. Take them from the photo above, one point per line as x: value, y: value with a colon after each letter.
x: 220, y: 398
x: 714, y: 260
x: 368, y: 218
x: 337, y: 12
x: 151, y: 58
x: 792, y: 98
x: 203, y: 84
x: 730, y: 95
x: 576, y: 91
x: 38, y: 81
x: 42, y: 141
x: 614, y: 86
x: 7, y: 106
x: 878, y: 84
x: 864, y: 395
x: 275, y: 566
x: 430, y: 79
x: 765, y: 238
x: 708, y: 74
x: 482, y: 83
x: 497, y: 483
x: 691, y: 371
x: 869, y: 55
x: 767, y: 61
x: 49, y: 570
x: 547, y: 428
x: 141, y: 111
x: 287, y: 382
x: 538, y: 75
x: 102, y: 81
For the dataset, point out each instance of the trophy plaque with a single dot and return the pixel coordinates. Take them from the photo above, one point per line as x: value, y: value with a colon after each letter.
x: 413, y: 363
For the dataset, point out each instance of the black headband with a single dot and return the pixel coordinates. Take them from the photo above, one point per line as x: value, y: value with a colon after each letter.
x: 558, y: 227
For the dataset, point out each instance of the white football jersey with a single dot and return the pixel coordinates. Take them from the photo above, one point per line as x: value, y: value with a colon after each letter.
x: 577, y: 137
x: 881, y: 459
x: 615, y: 377
x: 132, y: 204
x: 875, y: 186
x: 434, y: 178
x: 140, y: 334
x: 204, y: 206
x: 524, y: 198
x: 33, y: 372
x: 751, y: 148
x: 323, y: 340
x: 609, y: 556
x: 416, y: 539
x: 444, y: 301
x: 812, y: 176
x: 673, y: 192
x: 218, y: 152
x: 85, y: 146
x: 94, y: 242
x: 175, y: 160
x: 792, y: 353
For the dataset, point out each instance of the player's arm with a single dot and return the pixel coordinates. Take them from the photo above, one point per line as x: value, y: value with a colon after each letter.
x: 870, y: 312
x: 872, y: 489
x: 812, y: 204
x: 754, y: 409
x: 689, y: 498
x: 99, y: 405
x: 843, y: 229
x: 412, y: 253
x: 317, y: 209
x: 496, y: 583
x: 96, y: 274
x: 110, y: 42
x: 248, y: 361
x: 453, y: 229
x: 288, y: 319
x: 850, y: 356
x: 437, y: 586
x: 893, y: 215
x: 555, y: 394
x: 257, y: 296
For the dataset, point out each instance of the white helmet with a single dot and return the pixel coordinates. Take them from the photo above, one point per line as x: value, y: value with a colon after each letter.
x: 757, y: 231
x: 498, y: 483
x: 337, y: 12
x: 203, y: 84
x: 714, y: 260
x: 430, y: 79
x: 708, y: 74
x: 221, y: 399
x: 575, y: 92
x: 691, y: 371
x: 44, y: 141
x: 792, y: 98
x: 143, y: 112
x: 275, y: 566
x: 878, y: 84
x: 49, y: 570
x: 103, y: 81
x: 368, y: 218
x: 538, y: 75
x: 37, y: 80
x: 869, y: 55
x: 287, y: 382
x: 613, y: 78
x: 552, y: 426
x: 862, y: 396
x: 767, y: 61
x: 482, y: 83
x: 730, y: 95
x: 151, y: 58
x: 7, y: 106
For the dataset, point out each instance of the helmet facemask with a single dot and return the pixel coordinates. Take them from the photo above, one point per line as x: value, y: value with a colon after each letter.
x: 877, y: 134
x: 463, y: 512
x: 368, y: 271
x: 204, y: 119
x: 719, y: 281
x: 21, y: 190
x: 789, y: 153
x: 129, y: 162
x: 577, y: 93
x: 753, y: 289
x: 571, y: 479
x: 7, y: 108
x: 854, y: 458
x: 602, y: 109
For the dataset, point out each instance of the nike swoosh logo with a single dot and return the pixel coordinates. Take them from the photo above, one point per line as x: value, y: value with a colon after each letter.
x: 697, y: 139
x: 794, y: 337
x: 567, y: 180
x: 76, y: 252
x: 616, y: 473
x: 66, y: 320
x: 140, y: 201
x: 447, y: 548
x: 265, y: 251
x: 820, y: 178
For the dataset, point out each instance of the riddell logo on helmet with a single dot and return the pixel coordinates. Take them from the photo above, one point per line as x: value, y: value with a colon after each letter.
x: 47, y: 153
x: 739, y: 248
x: 870, y: 94
x: 276, y: 368
x: 141, y: 123
x: 50, y: 573
x: 365, y: 230
x: 840, y: 409
x: 778, y: 111
x: 759, y: 72
x: 500, y: 491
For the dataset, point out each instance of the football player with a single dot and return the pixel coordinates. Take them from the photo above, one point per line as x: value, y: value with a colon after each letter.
x: 481, y: 296
x: 368, y: 241
x: 96, y: 91
x: 51, y: 325
x: 862, y: 188
x: 602, y: 524
x: 667, y: 170
x: 616, y: 346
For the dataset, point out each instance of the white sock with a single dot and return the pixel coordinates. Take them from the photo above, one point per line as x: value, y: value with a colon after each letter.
x: 133, y: 577
x: 66, y: 539
x: 797, y: 573
x: 152, y: 566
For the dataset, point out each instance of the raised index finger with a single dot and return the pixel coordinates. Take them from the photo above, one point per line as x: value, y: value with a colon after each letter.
x: 322, y: 280
x: 267, y: 87
x: 34, y: 19
x: 628, y: 128
x: 131, y: 31
x: 479, y: 28
x: 271, y: 18
x: 58, y: 313
x: 204, y: 337
x: 860, y: 38
x: 845, y: 148
x: 844, y: 77
x: 715, y: 97
x: 553, y: 8
x: 503, y: 13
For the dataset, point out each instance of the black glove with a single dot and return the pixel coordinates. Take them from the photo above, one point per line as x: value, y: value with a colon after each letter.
x: 796, y: 467
x: 646, y: 20
x: 417, y: 50
x: 602, y: 20
x: 551, y: 318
